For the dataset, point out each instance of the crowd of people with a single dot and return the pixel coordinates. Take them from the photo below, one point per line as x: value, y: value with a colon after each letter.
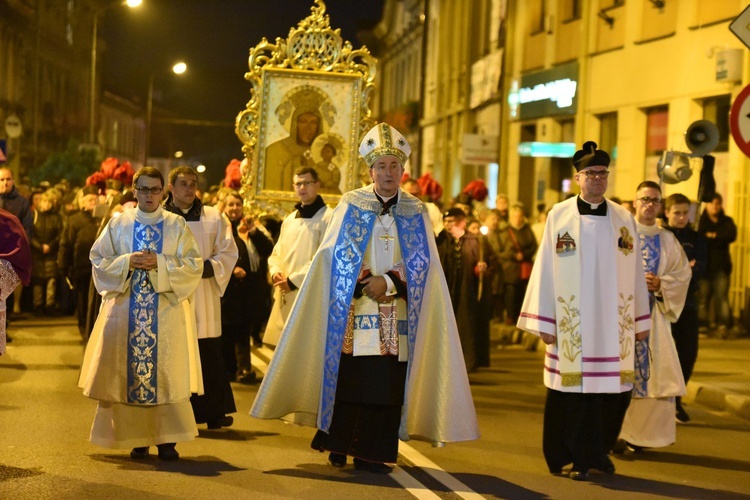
x: 170, y: 287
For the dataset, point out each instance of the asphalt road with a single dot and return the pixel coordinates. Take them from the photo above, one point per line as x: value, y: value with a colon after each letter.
x: 45, y: 453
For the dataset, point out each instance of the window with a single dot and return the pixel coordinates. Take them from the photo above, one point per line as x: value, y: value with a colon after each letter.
x: 608, y: 133
x: 537, y: 16
x: 570, y: 10
x: 657, y: 128
x: 716, y: 110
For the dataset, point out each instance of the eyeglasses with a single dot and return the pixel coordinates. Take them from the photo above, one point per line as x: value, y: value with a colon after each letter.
x: 302, y: 184
x: 593, y: 174
x: 646, y: 200
x: 153, y: 190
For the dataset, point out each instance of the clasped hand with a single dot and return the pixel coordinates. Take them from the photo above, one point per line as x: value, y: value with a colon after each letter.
x: 375, y: 288
x: 144, y: 259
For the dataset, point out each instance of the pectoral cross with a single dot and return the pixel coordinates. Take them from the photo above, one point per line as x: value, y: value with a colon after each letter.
x: 386, y: 238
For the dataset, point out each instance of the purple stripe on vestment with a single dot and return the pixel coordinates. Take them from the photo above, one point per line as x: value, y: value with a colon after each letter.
x: 540, y: 318
x: 587, y: 359
x: 553, y: 370
x: 601, y: 374
x: 553, y: 356
x: 641, y: 318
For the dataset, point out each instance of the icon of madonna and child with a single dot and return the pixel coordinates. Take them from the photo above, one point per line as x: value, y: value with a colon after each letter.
x: 307, y: 114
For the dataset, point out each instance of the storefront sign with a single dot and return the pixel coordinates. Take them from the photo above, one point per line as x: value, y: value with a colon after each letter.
x: 549, y: 93
x: 480, y: 149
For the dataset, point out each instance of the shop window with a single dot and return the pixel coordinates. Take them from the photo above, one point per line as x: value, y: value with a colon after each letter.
x: 657, y: 127
x: 716, y: 110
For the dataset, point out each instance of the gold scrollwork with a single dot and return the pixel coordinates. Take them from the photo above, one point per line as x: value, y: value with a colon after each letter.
x: 313, y: 46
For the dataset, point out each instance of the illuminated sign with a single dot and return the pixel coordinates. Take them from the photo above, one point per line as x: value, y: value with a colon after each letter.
x: 547, y: 149
x: 548, y: 93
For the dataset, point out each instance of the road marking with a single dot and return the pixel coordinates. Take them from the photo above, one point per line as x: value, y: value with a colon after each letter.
x: 437, y: 473
x: 260, y: 361
x: 411, y: 485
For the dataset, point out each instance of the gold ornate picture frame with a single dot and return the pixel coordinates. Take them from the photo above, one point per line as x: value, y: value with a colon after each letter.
x: 309, y: 106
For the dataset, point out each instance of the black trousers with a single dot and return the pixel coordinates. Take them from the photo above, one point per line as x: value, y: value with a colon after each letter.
x: 581, y: 428
x: 685, y: 334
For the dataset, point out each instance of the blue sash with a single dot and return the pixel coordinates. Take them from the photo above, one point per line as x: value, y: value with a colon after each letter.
x: 348, y: 253
x: 143, y: 321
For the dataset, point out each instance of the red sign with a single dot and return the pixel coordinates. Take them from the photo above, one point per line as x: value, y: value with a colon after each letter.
x: 739, y: 120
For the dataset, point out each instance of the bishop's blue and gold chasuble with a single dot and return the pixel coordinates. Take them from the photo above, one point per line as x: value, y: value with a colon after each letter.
x: 349, y: 251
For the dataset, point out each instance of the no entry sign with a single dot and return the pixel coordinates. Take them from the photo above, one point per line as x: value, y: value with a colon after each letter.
x: 739, y: 120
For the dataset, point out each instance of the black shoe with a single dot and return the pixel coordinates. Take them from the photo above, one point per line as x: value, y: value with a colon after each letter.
x: 247, y: 377
x: 139, y: 453
x: 337, y: 459
x: 167, y: 451
x: 225, y: 421
x: 681, y: 415
x: 576, y: 475
x: 607, y: 466
x: 374, y: 467
x: 620, y: 447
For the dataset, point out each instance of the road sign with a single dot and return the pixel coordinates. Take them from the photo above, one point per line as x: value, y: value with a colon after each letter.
x: 739, y: 120
x: 741, y: 26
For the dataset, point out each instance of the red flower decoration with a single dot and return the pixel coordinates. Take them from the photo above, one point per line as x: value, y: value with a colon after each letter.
x: 124, y: 173
x: 108, y: 167
x: 430, y: 187
x: 477, y: 189
x: 233, y: 175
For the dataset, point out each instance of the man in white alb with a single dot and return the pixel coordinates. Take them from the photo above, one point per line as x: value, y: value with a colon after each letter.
x: 587, y: 300
x: 650, y: 420
x: 299, y: 239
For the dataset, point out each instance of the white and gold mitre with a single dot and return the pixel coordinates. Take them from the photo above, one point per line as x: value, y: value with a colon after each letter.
x: 384, y: 140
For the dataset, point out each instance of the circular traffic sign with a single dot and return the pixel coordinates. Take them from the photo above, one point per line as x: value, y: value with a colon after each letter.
x: 739, y: 120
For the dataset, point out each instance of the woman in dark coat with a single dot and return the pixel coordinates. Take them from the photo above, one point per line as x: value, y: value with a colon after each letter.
x: 518, y: 245
x: 44, y: 247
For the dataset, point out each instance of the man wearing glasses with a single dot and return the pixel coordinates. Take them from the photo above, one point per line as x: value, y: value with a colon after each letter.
x: 140, y: 360
x: 587, y: 300
x: 213, y: 232
x: 299, y: 239
x: 650, y: 419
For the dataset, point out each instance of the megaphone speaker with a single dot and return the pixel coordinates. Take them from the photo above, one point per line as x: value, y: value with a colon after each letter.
x: 702, y: 137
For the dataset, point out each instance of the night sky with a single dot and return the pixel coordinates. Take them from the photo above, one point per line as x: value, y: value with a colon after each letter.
x: 213, y: 37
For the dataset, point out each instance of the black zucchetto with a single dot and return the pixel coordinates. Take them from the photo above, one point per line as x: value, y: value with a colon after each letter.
x: 589, y: 156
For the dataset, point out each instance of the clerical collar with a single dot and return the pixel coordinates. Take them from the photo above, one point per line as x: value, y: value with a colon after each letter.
x: 586, y: 208
x: 386, y: 203
x: 309, y: 211
x: 140, y: 214
x: 647, y: 230
x: 192, y: 214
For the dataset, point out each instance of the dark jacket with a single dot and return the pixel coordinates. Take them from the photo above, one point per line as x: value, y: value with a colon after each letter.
x: 78, y: 238
x: 245, y: 299
x: 527, y: 245
x: 16, y: 204
x: 47, y: 231
x: 694, y: 245
x: 718, y: 248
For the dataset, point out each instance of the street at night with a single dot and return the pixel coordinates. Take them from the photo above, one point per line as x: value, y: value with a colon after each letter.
x: 45, y: 453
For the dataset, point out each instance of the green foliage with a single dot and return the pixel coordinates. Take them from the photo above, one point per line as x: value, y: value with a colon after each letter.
x: 74, y: 164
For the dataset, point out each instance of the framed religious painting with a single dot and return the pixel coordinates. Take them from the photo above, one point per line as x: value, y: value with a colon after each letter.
x: 309, y: 107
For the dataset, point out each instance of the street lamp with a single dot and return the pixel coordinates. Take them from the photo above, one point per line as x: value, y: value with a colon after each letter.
x: 178, y: 69
x: 94, y: 36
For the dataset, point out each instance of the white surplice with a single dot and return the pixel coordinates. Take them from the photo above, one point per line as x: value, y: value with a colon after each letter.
x: 587, y: 289
x: 292, y: 255
x: 213, y: 232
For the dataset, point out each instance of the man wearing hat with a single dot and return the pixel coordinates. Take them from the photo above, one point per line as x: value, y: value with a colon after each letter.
x: 587, y: 300
x: 358, y: 359
x: 467, y: 261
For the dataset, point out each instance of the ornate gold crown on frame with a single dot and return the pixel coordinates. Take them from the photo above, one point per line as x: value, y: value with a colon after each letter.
x: 384, y: 140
